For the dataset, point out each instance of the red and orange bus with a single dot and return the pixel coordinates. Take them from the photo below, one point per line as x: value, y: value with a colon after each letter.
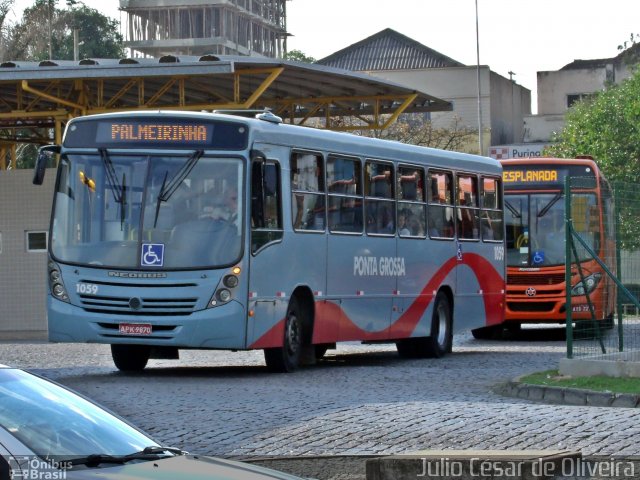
x: 534, y: 203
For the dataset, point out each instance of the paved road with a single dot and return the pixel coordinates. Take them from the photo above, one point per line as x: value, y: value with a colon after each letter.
x: 360, y: 400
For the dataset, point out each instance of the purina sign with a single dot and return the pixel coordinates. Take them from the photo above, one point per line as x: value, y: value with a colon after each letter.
x: 518, y: 150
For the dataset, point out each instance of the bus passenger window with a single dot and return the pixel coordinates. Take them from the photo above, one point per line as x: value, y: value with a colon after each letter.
x: 379, y: 204
x: 378, y: 180
x: 344, y: 185
x: 307, y: 192
x: 467, y: 211
x: 411, y: 202
x: 440, y: 210
x: 491, y: 222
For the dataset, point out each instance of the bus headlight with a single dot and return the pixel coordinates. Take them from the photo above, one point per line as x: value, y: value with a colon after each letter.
x: 230, y: 281
x: 589, y: 285
x: 225, y: 289
x: 224, y: 295
x: 55, y: 283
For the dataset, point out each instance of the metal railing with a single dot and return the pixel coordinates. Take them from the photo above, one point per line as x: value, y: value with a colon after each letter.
x: 601, y: 308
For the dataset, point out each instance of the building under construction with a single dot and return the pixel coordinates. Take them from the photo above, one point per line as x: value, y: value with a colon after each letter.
x: 198, y: 27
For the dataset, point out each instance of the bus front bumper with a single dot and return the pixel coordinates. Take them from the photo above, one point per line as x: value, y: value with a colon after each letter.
x: 549, y: 309
x: 222, y: 327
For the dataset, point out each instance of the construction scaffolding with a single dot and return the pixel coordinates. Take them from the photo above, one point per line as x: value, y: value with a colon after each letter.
x: 199, y: 27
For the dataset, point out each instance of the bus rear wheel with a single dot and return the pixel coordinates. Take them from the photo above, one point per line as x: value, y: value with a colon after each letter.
x: 286, y: 359
x: 440, y: 342
x: 130, y: 358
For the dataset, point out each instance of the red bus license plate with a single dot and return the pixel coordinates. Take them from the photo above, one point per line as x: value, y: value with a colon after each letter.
x: 135, y: 329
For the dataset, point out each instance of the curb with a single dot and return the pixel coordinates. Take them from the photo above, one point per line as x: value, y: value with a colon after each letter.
x: 566, y: 395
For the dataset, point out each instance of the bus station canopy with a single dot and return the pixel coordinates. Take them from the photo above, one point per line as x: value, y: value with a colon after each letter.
x: 36, y: 96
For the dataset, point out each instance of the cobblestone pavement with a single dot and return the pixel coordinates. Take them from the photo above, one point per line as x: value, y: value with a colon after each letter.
x: 360, y: 400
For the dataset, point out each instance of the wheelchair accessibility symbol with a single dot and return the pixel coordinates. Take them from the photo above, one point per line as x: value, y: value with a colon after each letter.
x: 152, y: 255
x: 538, y: 257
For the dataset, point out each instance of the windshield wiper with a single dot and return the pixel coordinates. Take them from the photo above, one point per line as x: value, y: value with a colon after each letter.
x: 148, y: 453
x: 175, y: 182
x: 513, y: 210
x: 169, y: 189
x: 548, y: 206
x: 123, y: 197
x: 111, y: 175
x: 119, y: 191
x: 159, y: 199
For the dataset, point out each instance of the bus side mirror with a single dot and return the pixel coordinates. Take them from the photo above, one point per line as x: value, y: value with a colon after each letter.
x: 44, y: 155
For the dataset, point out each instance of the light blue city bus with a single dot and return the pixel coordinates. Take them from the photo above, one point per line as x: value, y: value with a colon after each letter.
x: 184, y: 230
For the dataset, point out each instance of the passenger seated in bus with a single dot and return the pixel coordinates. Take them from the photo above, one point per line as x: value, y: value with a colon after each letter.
x: 403, y: 228
x: 416, y: 225
x: 385, y: 220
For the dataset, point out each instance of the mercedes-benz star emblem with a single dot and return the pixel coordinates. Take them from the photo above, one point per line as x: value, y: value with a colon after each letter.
x: 135, y: 303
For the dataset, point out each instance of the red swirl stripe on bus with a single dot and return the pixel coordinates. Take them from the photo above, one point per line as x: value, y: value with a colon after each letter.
x: 329, y: 315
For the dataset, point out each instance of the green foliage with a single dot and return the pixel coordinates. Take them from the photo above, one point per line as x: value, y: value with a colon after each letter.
x: 29, y: 38
x: 607, y: 127
x: 298, y: 56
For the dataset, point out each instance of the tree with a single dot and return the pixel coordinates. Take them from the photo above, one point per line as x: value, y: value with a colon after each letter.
x: 414, y: 129
x: 5, y: 7
x: 298, y: 56
x: 606, y: 127
x: 417, y: 129
x: 29, y: 38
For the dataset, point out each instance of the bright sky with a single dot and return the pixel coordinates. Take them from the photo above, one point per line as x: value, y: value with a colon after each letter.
x: 522, y: 36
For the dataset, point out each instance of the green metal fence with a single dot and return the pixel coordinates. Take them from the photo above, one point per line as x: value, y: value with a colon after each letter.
x: 603, y: 246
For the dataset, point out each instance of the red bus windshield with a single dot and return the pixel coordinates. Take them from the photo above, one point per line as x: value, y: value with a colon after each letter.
x: 535, y: 227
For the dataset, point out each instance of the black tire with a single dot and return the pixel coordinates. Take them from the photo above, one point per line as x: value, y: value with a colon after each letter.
x: 130, y: 358
x: 493, y: 332
x: 609, y: 322
x: 286, y: 359
x: 441, y: 340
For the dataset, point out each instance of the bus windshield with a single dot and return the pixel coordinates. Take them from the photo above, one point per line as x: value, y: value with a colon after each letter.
x: 536, y: 229
x: 178, y: 211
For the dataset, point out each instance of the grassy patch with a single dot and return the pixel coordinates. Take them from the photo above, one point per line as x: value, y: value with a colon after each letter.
x: 598, y: 383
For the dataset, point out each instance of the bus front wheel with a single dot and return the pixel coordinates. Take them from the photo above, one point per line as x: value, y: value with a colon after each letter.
x: 130, y: 358
x: 287, y: 358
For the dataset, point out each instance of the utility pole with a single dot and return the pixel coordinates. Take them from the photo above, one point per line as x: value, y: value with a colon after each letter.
x: 480, y: 146
x: 50, y: 5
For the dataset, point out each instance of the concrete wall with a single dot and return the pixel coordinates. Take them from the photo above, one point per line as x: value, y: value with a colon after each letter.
x: 503, y: 102
x: 23, y: 286
x: 509, y: 104
x: 554, y: 87
x: 456, y: 85
x: 540, y: 128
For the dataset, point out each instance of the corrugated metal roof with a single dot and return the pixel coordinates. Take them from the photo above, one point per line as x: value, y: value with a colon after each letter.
x: 36, y: 94
x: 388, y: 50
